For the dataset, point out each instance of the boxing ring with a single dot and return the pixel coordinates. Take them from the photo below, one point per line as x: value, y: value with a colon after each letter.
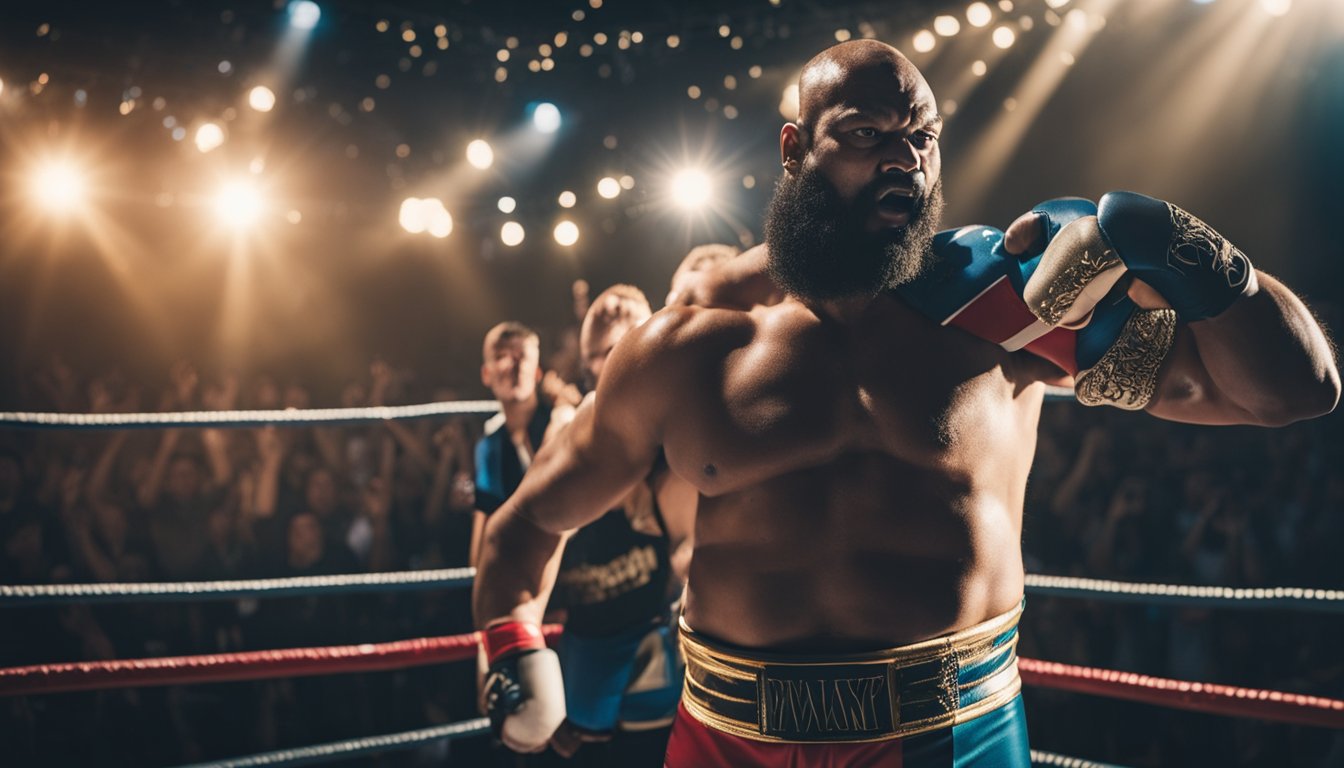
x: 34, y: 680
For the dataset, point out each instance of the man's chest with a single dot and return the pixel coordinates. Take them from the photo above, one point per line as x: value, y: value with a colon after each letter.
x: 930, y: 399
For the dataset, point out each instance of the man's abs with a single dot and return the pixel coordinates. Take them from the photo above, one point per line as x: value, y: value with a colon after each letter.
x: 861, y: 554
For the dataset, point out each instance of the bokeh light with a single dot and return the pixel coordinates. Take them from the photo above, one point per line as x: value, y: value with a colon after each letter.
x: 1004, y: 37
x: 58, y: 186
x: 238, y: 204
x: 304, y: 14
x: 427, y: 214
x: 567, y: 199
x: 566, y: 233
x: 691, y: 188
x: 546, y: 117
x: 978, y: 14
x: 1277, y: 7
x: 480, y: 154
x: 511, y: 234
x: 209, y: 136
x: 261, y: 98
x: 608, y: 187
x: 506, y: 204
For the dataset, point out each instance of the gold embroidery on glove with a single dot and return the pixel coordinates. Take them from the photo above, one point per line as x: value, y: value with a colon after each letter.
x: 1062, y: 292
x: 1126, y: 376
x: 1196, y: 244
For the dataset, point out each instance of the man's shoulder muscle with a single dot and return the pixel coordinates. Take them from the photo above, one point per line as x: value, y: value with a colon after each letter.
x: 653, y: 364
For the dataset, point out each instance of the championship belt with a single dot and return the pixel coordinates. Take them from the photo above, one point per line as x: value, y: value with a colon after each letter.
x: 876, y: 696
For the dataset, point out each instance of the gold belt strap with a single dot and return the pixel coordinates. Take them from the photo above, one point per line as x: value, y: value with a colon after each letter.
x: 887, y: 694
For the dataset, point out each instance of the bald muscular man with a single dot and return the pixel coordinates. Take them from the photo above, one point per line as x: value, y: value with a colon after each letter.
x: 862, y: 458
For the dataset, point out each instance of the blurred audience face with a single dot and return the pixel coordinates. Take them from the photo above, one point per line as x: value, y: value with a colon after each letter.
x: 304, y: 541
x: 296, y: 397
x: 110, y: 522
x: 617, y: 311
x: 319, y: 492
x: 511, y: 366
x: 354, y: 395
x: 184, y: 480
x: 266, y: 393
x: 220, y: 525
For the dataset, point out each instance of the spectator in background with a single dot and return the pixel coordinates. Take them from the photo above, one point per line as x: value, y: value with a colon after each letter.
x: 619, y: 578
x: 511, y: 369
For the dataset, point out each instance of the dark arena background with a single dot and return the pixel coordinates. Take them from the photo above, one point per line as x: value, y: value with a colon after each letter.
x: 263, y: 205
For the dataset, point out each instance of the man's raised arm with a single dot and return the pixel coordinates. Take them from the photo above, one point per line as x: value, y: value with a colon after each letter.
x: 1214, y: 340
x: 575, y: 478
x: 1264, y: 361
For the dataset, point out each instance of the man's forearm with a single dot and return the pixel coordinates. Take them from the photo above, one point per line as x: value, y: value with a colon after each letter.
x: 518, y: 566
x: 1265, y: 357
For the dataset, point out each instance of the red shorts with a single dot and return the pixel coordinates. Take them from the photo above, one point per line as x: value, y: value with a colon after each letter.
x: 695, y: 745
x: 997, y: 739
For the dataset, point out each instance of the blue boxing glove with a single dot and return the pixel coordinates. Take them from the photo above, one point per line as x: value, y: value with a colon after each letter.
x: 1112, y: 348
x: 1194, y: 268
x: 978, y: 286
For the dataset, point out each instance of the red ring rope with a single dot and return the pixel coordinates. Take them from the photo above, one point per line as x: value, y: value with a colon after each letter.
x: 1181, y: 694
x: 250, y: 665
x: 298, y: 662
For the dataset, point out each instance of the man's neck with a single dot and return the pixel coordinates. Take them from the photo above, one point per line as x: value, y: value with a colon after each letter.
x: 845, y: 311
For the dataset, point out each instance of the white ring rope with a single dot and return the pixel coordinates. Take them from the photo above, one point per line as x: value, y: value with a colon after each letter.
x: 1331, y: 600
x: 1327, y: 600
x: 287, y: 416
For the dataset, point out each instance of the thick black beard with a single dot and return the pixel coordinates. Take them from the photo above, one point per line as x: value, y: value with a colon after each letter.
x: 819, y: 248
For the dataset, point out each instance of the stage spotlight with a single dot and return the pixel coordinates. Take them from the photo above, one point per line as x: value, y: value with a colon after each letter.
x: 546, y: 117
x: 946, y: 26
x: 691, y: 188
x: 608, y: 187
x: 978, y: 14
x: 480, y: 155
x: 413, y: 217
x: 261, y: 99
x: 511, y: 233
x: 1004, y: 37
x: 923, y: 41
x: 209, y: 136
x: 58, y: 187
x: 238, y: 204
x: 567, y: 199
x: 303, y: 14
x: 440, y: 222
x: 566, y: 233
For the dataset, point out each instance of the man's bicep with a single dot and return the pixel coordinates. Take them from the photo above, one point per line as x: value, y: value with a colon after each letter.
x: 584, y: 471
x: 1185, y: 390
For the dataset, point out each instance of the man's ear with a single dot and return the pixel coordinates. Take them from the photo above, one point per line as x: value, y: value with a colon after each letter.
x: 485, y: 375
x: 791, y: 148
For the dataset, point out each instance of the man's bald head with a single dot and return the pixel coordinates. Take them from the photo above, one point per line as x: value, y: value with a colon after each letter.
x: 850, y: 73
x: 861, y: 196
